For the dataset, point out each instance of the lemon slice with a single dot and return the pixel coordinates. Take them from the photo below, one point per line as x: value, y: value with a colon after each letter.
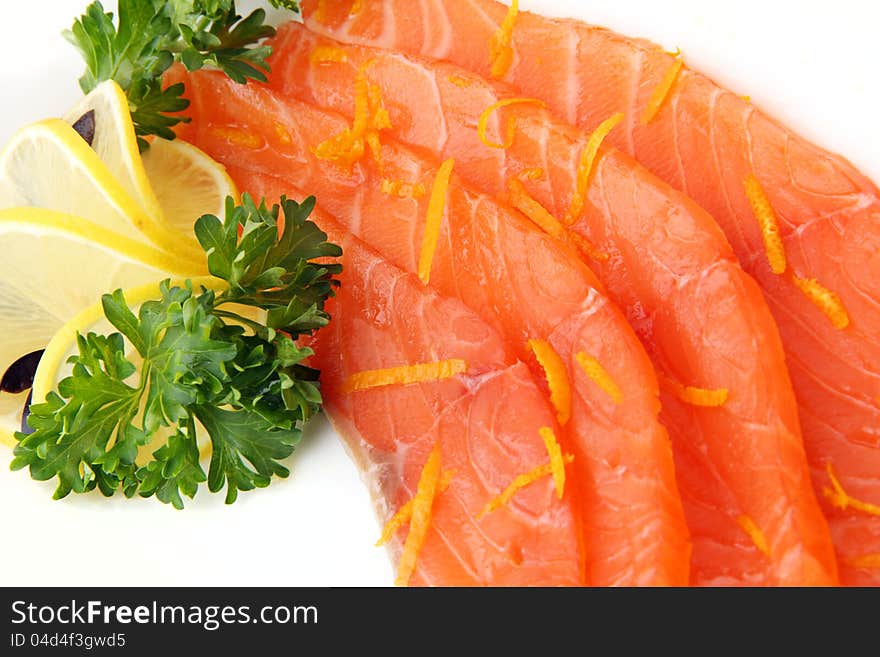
x: 115, y: 143
x: 187, y: 182
x: 173, y: 182
x: 54, y: 265
x: 48, y: 165
x: 54, y: 365
x: 11, y: 407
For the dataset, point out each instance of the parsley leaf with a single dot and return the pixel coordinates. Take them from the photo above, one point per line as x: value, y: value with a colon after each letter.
x: 150, y: 35
x: 204, y: 362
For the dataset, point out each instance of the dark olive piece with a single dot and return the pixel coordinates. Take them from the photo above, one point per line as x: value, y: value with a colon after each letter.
x: 85, y: 126
x: 25, y: 413
x: 20, y: 375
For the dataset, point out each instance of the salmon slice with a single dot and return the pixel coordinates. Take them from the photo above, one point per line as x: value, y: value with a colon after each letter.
x: 707, y: 142
x: 518, y: 280
x: 664, y: 260
x: 486, y: 420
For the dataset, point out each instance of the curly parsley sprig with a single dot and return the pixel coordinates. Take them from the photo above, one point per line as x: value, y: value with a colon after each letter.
x: 150, y: 35
x: 204, y: 363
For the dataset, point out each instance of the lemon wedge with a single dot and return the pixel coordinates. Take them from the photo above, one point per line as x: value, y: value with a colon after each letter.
x: 54, y: 265
x: 187, y: 182
x: 48, y: 165
x: 115, y: 143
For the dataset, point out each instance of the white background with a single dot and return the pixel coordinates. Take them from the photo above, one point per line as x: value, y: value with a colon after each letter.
x: 811, y: 63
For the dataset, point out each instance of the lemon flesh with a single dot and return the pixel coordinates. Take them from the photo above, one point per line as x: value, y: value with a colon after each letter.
x: 48, y: 165
x: 187, y: 182
x: 115, y: 142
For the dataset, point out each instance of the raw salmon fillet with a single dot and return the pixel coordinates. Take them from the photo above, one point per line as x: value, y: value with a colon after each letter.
x: 517, y: 279
x: 706, y: 142
x: 487, y: 422
x: 665, y: 261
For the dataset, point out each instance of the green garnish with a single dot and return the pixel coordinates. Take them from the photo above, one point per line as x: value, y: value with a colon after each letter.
x: 150, y: 35
x: 203, y: 361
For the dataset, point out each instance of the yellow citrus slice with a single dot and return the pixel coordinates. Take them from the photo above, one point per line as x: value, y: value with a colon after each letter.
x: 115, y: 143
x: 48, y: 165
x: 187, y: 182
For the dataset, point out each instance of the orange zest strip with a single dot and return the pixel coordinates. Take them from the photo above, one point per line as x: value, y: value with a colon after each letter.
x: 593, y: 369
x: 557, y: 463
x: 420, y: 521
x: 769, y: 224
x: 587, y: 164
x: 381, y: 119
x: 402, y: 189
x: 520, y: 199
x: 348, y: 146
x: 518, y: 484
x: 483, y: 122
x: 239, y: 137
x: 436, y: 207
x: 698, y: 396
x: 749, y: 527
x: 500, y: 52
x: 533, y: 173
x: 840, y: 499
x: 867, y: 561
x: 327, y: 54
x: 557, y: 378
x: 825, y: 300
x: 661, y: 91
x: 459, y: 81
x: 405, y: 375
x: 404, y: 514
x: 587, y: 248
x: 321, y: 11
